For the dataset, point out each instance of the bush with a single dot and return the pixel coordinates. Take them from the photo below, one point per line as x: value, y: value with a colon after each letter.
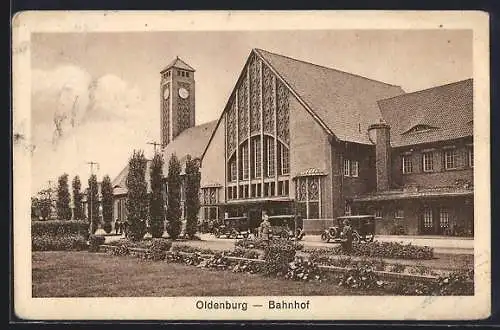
x: 95, y: 241
x: 158, y: 249
x: 383, y: 250
x: 107, y: 227
x: 361, y: 276
x: 48, y: 242
x: 278, y: 255
x: 121, y: 250
x: 303, y: 270
x: 59, y: 227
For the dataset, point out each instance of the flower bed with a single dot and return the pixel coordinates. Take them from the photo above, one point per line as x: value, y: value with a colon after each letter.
x: 153, y: 249
x: 237, y: 252
x: 381, y: 250
x: 257, y: 243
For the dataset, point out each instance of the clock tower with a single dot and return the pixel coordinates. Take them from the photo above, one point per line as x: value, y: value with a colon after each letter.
x: 177, y: 100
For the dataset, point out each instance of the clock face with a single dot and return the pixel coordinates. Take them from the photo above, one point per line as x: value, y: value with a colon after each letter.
x: 166, y: 93
x: 183, y: 93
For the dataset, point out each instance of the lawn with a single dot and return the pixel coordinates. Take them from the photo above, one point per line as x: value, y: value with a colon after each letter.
x: 84, y: 274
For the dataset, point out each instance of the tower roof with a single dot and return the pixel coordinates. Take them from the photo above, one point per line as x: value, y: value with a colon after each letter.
x: 178, y: 63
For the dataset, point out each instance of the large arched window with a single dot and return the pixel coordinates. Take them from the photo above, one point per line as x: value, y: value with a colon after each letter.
x: 259, y: 167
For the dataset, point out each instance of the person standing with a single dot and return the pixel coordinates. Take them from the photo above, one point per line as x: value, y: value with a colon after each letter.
x: 117, y: 226
x: 347, y: 237
x: 265, y: 228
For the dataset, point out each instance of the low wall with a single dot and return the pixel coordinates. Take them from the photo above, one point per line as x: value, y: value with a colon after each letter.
x: 316, y: 226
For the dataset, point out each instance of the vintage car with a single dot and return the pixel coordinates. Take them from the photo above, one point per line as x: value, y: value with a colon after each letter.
x: 286, y: 226
x: 233, y: 228
x: 363, y: 229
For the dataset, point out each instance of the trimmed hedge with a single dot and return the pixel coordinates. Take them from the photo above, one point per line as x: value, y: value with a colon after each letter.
x: 48, y: 242
x: 59, y: 227
x: 381, y: 250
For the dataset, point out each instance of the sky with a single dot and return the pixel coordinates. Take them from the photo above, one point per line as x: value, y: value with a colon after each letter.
x: 95, y: 96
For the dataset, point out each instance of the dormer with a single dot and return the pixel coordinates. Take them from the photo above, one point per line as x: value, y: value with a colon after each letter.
x: 420, y: 128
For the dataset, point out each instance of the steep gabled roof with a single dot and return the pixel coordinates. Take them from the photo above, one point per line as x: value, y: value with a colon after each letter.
x: 447, y: 110
x: 191, y: 141
x: 343, y: 104
x: 119, y: 183
x: 346, y: 103
x: 178, y: 63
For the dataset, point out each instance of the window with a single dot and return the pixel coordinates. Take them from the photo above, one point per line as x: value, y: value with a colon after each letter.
x: 257, y: 158
x: 428, y: 223
x: 187, y: 74
x: 451, y: 159
x: 244, y: 161
x: 270, y: 157
x: 407, y: 164
x: 399, y: 214
x: 178, y: 72
x: 307, y: 195
x: 378, y: 213
x: 347, y: 171
x: 471, y: 157
x: 443, y: 218
x: 354, y: 168
x: 347, y: 210
x: 427, y: 161
x: 285, y: 160
x: 232, y: 166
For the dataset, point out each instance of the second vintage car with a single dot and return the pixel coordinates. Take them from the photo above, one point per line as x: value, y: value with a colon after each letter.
x: 363, y: 229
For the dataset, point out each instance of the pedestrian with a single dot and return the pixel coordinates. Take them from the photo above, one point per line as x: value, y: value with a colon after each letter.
x: 117, y: 226
x: 347, y: 237
x: 125, y: 228
x: 265, y: 228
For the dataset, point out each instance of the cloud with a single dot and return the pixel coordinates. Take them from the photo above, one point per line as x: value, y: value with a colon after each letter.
x: 77, y: 118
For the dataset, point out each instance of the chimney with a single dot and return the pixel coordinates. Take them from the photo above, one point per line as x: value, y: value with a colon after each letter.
x: 380, y: 134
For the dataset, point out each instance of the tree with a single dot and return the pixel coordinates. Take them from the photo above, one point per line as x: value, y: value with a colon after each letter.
x: 63, y: 198
x: 77, y: 198
x: 173, y: 197
x: 137, y: 197
x: 107, y: 203
x: 156, y: 204
x: 93, y: 204
x: 192, y: 195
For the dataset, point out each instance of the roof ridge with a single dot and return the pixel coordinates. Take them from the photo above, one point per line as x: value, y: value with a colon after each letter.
x: 426, y: 90
x: 173, y: 63
x: 326, y: 67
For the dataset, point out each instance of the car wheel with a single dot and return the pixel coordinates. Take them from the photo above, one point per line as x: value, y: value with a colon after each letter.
x: 217, y: 234
x: 284, y: 234
x: 324, y: 237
